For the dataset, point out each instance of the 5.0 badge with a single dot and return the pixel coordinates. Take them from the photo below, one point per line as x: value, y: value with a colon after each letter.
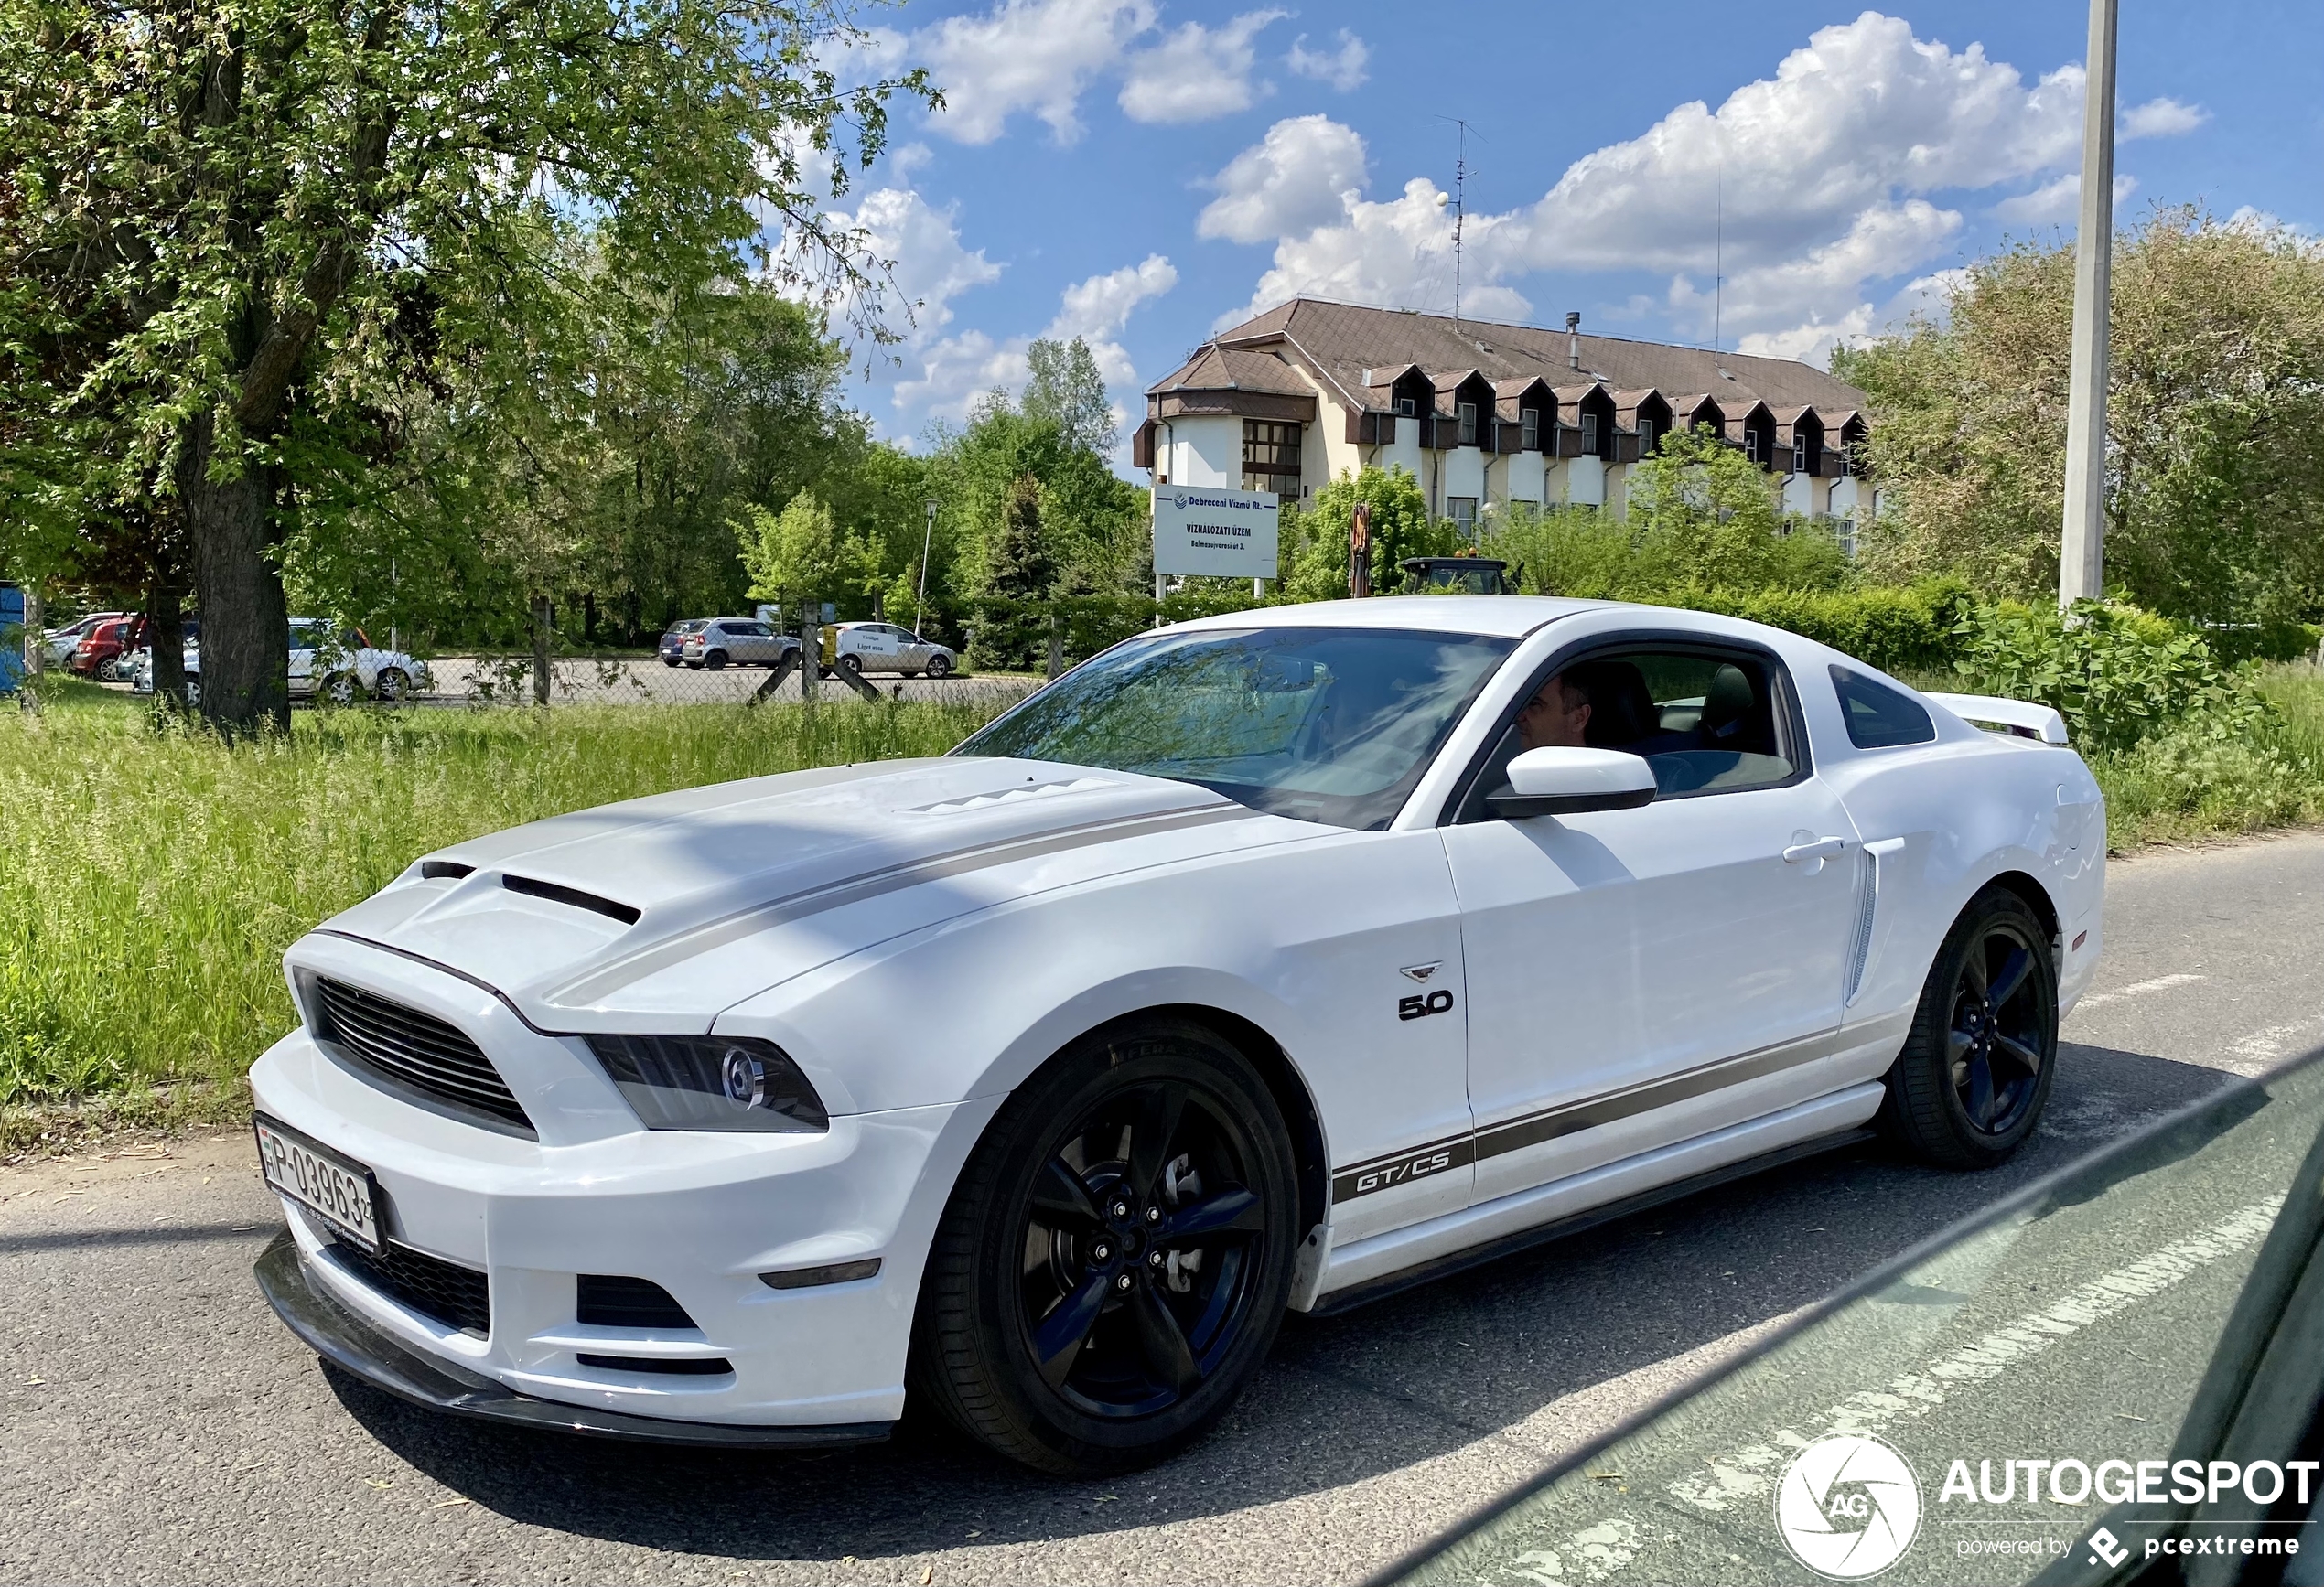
x: 1418, y: 1006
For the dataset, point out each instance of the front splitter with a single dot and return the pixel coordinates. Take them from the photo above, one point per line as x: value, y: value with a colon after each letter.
x: 355, y: 1347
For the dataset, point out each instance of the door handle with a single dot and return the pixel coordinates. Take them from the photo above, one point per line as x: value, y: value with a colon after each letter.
x: 1822, y: 849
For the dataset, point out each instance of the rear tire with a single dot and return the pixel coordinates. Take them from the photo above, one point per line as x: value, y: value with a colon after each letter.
x: 391, y: 686
x: 715, y: 659
x: 1969, y: 1088
x: 854, y: 663
x: 1090, y: 1309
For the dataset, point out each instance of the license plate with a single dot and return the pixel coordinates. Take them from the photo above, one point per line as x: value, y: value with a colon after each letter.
x: 339, y: 1190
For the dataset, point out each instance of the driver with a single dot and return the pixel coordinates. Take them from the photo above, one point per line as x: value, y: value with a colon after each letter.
x: 1558, y: 716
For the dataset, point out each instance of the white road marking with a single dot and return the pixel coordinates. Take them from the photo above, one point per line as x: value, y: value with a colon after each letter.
x: 1748, y: 1474
x: 2263, y: 1049
x: 2136, y: 989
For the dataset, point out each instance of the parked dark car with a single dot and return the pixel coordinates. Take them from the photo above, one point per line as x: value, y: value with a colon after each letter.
x: 675, y: 639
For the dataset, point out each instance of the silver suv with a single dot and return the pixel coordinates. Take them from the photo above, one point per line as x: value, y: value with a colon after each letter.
x: 736, y: 642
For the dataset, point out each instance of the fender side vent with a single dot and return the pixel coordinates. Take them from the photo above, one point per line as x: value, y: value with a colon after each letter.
x: 572, y: 896
x: 443, y: 870
x: 711, y: 1368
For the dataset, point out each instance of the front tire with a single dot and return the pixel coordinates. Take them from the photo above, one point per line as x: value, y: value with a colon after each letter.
x: 940, y: 666
x: 1116, y: 1257
x: 1969, y: 1088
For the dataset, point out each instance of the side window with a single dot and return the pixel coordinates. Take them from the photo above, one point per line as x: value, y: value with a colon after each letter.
x: 1708, y: 721
x: 1879, y: 717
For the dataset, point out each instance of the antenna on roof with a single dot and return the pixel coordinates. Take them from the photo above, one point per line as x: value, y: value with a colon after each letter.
x: 1460, y: 198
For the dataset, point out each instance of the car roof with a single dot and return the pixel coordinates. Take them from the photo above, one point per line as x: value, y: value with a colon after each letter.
x: 1500, y: 616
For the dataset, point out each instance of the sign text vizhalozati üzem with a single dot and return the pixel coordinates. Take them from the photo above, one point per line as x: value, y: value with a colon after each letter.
x: 1212, y: 531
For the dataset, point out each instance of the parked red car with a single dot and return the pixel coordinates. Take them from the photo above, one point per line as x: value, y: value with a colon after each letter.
x: 100, y: 651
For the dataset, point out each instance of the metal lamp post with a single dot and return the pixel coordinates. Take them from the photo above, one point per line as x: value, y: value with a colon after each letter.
x: 927, y: 538
x: 2081, y: 550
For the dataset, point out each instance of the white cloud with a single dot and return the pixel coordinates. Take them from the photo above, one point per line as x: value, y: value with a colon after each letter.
x: 1195, y: 73
x: 955, y: 370
x: 2057, y: 201
x: 1804, y: 188
x: 1304, y: 174
x: 1026, y: 54
x: 1342, y: 68
x: 932, y: 267
x: 2160, y: 118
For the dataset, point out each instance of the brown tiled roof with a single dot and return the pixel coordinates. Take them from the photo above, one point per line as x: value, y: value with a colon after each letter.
x: 1344, y: 340
x: 1216, y: 369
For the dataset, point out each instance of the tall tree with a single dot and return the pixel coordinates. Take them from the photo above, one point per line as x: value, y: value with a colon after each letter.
x: 252, y: 217
x: 2215, y: 423
x: 1067, y: 391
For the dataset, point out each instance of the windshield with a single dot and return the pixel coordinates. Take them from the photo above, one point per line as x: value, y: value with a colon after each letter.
x: 1987, y: 1412
x: 1321, y: 724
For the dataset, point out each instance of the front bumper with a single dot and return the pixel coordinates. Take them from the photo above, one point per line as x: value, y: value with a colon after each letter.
x: 700, y: 1215
x: 345, y: 1340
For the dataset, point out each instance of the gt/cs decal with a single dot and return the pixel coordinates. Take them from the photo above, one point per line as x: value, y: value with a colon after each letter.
x: 1397, y: 1172
x: 1418, y: 1006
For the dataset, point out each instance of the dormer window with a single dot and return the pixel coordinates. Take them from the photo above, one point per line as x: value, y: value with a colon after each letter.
x: 1405, y: 409
x: 1468, y: 412
x: 1751, y: 445
x: 1529, y: 424
x: 1645, y: 437
x: 1798, y: 454
x: 1589, y: 434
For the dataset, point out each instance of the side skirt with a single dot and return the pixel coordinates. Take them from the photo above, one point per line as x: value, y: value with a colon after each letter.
x: 1429, y: 1268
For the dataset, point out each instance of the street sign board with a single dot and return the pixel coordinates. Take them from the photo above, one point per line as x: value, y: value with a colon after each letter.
x: 1211, y: 531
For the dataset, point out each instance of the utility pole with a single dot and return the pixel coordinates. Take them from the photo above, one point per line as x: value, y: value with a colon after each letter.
x: 2082, y: 552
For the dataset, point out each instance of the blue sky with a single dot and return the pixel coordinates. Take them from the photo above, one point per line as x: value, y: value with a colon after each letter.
x: 1141, y: 172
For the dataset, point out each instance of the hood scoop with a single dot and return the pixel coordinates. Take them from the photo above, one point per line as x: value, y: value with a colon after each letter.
x: 1029, y: 790
x: 572, y: 895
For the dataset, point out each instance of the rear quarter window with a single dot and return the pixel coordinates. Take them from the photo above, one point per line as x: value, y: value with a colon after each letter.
x: 1879, y: 716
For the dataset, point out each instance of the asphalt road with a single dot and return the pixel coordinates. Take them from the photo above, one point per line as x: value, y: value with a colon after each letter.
x: 156, y: 1423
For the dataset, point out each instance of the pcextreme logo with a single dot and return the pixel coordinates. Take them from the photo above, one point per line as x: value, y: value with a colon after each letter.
x: 1848, y: 1506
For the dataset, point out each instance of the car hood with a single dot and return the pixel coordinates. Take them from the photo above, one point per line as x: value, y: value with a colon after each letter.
x: 658, y: 913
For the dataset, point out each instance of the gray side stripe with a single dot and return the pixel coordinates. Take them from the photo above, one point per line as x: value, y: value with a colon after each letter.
x: 1589, y: 1114
x: 622, y: 973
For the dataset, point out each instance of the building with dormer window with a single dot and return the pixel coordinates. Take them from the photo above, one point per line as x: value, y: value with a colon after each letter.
x: 1484, y: 413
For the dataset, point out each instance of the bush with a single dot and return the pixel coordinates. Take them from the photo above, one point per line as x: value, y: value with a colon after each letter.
x: 1913, y: 629
x: 2119, y: 676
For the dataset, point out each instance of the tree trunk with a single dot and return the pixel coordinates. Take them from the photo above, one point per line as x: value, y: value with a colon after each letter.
x: 166, y: 632
x: 589, y: 616
x: 245, y: 652
x: 543, y: 618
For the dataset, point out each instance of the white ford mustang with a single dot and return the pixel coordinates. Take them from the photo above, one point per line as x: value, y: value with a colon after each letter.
x: 1266, y: 962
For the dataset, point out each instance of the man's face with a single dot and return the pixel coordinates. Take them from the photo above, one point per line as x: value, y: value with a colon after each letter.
x: 1554, y: 719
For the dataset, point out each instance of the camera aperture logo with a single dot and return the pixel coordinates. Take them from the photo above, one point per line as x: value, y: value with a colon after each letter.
x: 1848, y: 1506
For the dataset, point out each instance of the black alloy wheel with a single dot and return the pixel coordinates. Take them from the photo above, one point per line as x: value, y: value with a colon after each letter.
x: 1116, y: 1257
x: 714, y: 659
x: 1975, y: 1072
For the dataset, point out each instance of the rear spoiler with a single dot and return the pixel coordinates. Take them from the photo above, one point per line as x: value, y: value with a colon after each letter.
x: 2021, y: 717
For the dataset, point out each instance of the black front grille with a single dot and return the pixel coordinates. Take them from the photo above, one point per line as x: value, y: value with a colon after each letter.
x: 454, y: 1295
x: 606, y: 1301
x: 415, y: 1051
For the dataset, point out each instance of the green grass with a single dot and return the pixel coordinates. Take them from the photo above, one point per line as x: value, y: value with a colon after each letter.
x: 150, y: 879
x: 2187, y: 786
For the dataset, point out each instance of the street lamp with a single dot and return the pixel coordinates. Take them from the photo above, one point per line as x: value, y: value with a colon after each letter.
x: 927, y: 537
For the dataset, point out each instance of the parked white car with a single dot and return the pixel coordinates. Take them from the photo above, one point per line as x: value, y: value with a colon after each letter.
x: 1272, y: 961
x: 340, y: 666
x: 885, y: 647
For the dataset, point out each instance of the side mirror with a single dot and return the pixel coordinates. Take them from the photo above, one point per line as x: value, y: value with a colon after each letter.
x: 1568, y: 782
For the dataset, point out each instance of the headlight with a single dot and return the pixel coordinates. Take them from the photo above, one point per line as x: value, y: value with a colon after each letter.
x: 710, y: 1083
